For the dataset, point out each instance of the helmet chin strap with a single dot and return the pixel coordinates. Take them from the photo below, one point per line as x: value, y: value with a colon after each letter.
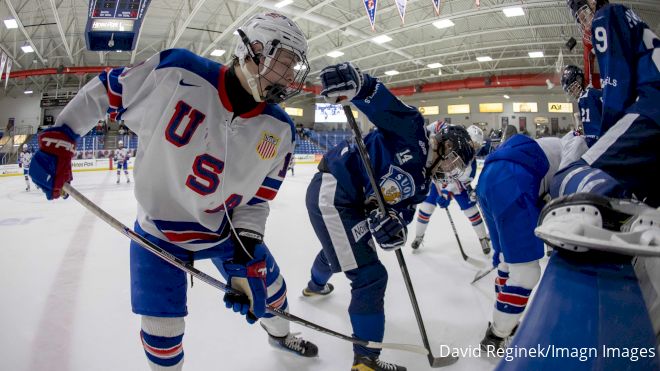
x: 251, y: 80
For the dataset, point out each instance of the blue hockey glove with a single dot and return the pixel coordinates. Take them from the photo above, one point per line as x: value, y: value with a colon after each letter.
x: 341, y: 81
x: 51, y: 164
x: 388, y: 229
x: 246, y: 272
x: 444, y: 199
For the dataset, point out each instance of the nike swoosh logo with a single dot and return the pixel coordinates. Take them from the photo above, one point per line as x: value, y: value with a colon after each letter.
x: 272, y: 268
x: 182, y: 83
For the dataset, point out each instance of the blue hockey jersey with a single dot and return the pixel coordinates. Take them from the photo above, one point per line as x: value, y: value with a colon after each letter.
x: 398, y: 151
x: 627, y: 53
x: 590, y: 105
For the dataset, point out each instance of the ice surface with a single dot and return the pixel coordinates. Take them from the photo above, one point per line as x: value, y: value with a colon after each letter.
x: 64, y: 285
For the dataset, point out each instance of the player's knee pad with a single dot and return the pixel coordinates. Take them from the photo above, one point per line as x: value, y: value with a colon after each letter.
x: 368, y: 284
x: 162, y: 339
x: 525, y: 275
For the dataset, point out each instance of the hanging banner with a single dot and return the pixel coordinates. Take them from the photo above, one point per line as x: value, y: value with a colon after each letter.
x: 436, y: 6
x: 370, y: 6
x: 476, y: 2
x: 3, y: 60
x: 8, y: 71
x: 401, y: 5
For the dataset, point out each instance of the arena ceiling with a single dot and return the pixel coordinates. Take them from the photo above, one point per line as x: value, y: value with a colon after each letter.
x: 56, y: 31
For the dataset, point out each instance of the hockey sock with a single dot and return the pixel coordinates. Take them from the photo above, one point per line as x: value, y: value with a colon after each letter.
x: 474, y: 216
x: 424, y: 212
x: 513, y: 296
x: 162, y: 340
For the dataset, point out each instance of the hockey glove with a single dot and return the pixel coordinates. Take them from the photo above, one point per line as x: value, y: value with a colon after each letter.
x: 341, y: 81
x: 444, y: 198
x: 388, y: 229
x: 246, y: 272
x: 51, y: 165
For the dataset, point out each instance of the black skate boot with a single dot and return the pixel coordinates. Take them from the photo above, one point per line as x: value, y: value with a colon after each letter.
x: 325, y: 290
x: 485, y: 245
x: 294, y: 344
x: 492, y: 343
x: 366, y: 363
x: 417, y: 242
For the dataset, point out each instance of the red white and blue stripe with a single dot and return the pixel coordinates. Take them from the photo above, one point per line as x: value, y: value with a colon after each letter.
x: 512, y: 299
x: 423, y: 217
x: 113, y: 88
x: 267, y: 191
x: 163, y: 351
x: 189, y: 232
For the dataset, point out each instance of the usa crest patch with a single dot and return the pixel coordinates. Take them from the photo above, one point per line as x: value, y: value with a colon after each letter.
x: 267, y: 146
x: 397, y: 185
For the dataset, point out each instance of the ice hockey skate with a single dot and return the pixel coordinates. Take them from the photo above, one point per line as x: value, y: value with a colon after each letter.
x: 485, y: 245
x: 582, y: 222
x: 366, y: 363
x: 294, y: 344
x: 492, y: 343
x: 417, y: 242
x: 325, y: 290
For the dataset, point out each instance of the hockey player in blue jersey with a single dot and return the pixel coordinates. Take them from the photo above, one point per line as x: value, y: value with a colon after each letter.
x: 589, y: 100
x: 443, y: 191
x: 511, y: 191
x: 627, y: 53
x: 341, y: 203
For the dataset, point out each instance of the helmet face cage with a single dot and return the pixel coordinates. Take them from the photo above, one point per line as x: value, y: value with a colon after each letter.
x: 278, y: 47
x: 571, y: 81
x: 282, y: 72
x: 584, y: 15
x: 454, y: 151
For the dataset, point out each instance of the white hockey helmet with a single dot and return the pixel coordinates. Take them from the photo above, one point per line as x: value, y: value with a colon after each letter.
x: 283, y: 42
x: 120, y: 143
x: 476, y: 134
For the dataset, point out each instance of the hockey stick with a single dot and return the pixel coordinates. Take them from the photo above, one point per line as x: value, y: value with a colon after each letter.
x: 362, y: 149
x: 476, y: 263
x: 189, y: 268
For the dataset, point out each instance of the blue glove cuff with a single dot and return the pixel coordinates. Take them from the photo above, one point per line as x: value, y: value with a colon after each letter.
x: 368, y: 86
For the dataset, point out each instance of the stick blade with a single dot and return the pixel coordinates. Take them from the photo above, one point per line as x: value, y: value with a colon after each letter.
x: 436, y: 362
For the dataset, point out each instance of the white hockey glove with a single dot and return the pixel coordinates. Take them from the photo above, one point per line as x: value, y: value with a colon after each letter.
x: 388, y: 229
x: 341, y: 82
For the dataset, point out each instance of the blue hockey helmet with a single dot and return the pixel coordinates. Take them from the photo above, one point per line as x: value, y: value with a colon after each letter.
x: 453, y: 150
x: 572, y: 79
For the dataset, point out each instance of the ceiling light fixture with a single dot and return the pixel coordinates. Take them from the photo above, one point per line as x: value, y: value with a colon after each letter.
x: 218, y: 53
x: 335, y: 54
x: 443, y: 23
x: 11, y: 23
x: 514, y: 11
x: 381, y: 39
x: 392, y: 72
x: 434, y: 65
x: 484, y: 59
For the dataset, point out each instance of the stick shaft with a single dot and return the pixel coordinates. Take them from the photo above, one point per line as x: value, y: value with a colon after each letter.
x: 188, y: 268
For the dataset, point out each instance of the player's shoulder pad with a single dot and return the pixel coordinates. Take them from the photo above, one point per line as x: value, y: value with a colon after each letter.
x: 278, y: 113
x: 187, y: 60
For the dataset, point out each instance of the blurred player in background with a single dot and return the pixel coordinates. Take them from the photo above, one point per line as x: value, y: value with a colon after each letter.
x: 122, y: 155
x: 24, y: 159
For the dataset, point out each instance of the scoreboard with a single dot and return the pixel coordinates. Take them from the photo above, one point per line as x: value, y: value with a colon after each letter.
x: 114, y: 24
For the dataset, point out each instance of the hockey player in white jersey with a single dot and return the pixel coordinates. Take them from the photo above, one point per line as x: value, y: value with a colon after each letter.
x: 443, y: 191
x: 24, y: 159
x: 214, y: 149
x: 122, y: 155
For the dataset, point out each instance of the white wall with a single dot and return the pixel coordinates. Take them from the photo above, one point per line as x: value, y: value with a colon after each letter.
x: 25, y: 110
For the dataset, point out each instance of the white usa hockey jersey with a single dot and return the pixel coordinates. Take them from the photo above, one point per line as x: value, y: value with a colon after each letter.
x: 24, y: 159
x: 121, y: 155
x: 194, y: 157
